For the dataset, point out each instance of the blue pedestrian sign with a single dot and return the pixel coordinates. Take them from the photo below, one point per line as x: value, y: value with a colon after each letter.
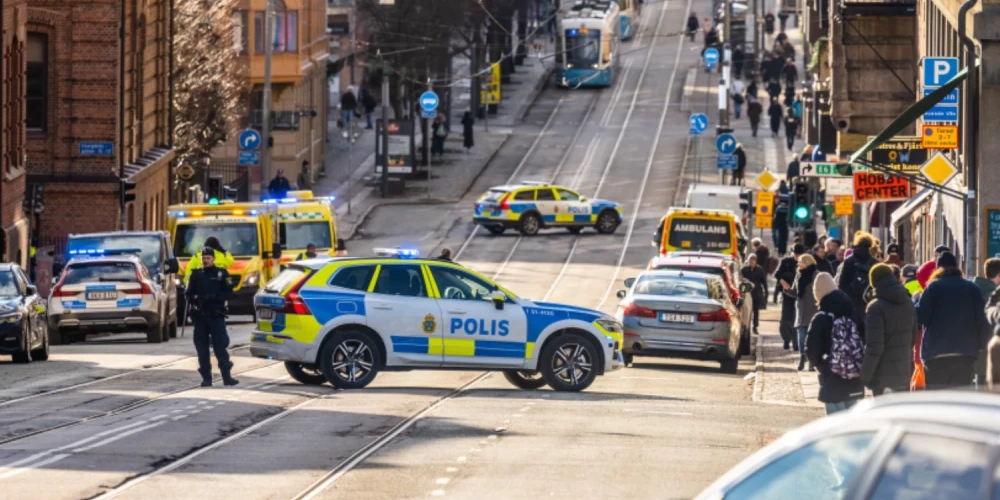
x: 249, y: 158
x: 726, y: 144
x: 429, y: 101
x: 935, y: 72
x: 699, y: 123
x: 726, y: 162
x: 711, y: 56
x: 249, y: 140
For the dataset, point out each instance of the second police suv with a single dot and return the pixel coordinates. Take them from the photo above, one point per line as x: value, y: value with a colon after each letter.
x: 531, y: 206
x: 343, y: 320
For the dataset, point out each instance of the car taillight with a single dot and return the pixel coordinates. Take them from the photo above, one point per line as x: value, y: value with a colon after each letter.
x: 293, y: 301
x: 639, y: 312
x: 57, y: 291
x: 503, y: 202
x: 721, y: 315
x: 144, y: 289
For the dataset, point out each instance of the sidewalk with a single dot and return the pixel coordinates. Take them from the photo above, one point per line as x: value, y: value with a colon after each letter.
x: 776, y: 379
x: 350, y: 174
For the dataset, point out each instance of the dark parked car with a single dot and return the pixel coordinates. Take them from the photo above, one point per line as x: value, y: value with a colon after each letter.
x: 23, y: 327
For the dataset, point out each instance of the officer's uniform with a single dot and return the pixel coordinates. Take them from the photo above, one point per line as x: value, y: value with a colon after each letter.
x: 207, y: 292
x: 305, y: 255
x: 222, y: 260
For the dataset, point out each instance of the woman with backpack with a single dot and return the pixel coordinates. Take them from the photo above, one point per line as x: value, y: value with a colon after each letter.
x: 890, y: 334
x: 805, y: 305
x: 835, y: 347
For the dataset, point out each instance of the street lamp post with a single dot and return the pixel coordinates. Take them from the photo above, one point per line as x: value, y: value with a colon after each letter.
x: 265, y: 128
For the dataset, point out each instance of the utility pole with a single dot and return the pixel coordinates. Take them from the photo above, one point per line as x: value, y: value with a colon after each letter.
x: 265, y: 129
x: 354, y: 39
x: 726, y: 55
x: 385, y: 135
x: 430, y: 88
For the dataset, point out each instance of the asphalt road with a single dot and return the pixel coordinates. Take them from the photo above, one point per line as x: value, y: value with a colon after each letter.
x: 118, y: 417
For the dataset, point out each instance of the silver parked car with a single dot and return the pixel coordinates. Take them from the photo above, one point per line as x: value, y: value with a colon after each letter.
x: 916, y: 445
x: 680, y: 314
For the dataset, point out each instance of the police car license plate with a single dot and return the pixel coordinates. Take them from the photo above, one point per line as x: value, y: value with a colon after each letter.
x: 265, y: 314
x: 676, y: 318
x: 102, y: 295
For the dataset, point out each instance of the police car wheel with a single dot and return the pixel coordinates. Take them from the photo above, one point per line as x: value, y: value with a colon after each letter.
x: 607, y: 222
x: 730, y: 365
x: 306, y: 374
x: 350, y: 360
x: 154, y: 335
x: 530, y: 224
x: 495, y: 230
x: 524, y: 379
x: 569, y: 363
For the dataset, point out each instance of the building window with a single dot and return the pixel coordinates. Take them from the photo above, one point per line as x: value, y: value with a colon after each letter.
x: 286, y: 31
x: 36, y: 77
x: 258, y: 29
x: 241, y: 38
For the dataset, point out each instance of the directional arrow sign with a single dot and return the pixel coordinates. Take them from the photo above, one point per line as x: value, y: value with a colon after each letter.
x: 810, y: 169
x: 429, y: 101
x: 726, y: 144
x: 249, y: 140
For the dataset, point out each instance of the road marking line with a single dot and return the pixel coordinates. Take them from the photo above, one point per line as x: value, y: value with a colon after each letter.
x: 491, y: 436
x: 117, y: 437
x: 443, y: 480
x: 451, y: 469
x: 438, y: 493
x: 43, y: 463
x: 36, y: 456
x: 179, y: 417
x: 662, y: 412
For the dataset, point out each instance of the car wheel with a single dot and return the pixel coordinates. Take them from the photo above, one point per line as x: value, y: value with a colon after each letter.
x: 24, y: 355
x: 730, y: 365
x: 607, y: 222
x: 154, y: 335
x: 524, y: 379
x: 495, y: 230
x: 574, y: 229
x: 569, y: 363
x: 173, y: 329
x: 42, y: 353
x: 530, y: 224
x: 306, y: 374
x: 350, y: 360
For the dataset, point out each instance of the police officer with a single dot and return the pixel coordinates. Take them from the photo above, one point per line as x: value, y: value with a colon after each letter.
x: 207, y: 294
x: 310, y: 253
x: 223, y: 258
x: 445, y: 255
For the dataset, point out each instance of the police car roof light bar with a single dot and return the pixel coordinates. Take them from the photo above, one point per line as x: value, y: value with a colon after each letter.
x: 105, y: 251
x: 398, y: 252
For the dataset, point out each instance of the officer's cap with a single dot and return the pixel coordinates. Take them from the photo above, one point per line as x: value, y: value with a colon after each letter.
x: 208, y: 251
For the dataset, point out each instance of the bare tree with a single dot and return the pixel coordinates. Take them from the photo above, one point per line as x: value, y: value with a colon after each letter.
x: 207, y: 85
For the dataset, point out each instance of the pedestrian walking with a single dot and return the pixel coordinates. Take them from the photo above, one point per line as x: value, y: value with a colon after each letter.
x: 445, y: 255
x: 779, y: 226
x: 761, y: 251
x: 987, y: 285
x: 782, y: 20
x: 788, y: 50
x: 832, y: 250
x: 890, y: 334
x: 737, y: 62
x: 774, y: 89
x: 757, y: 277
x: 805, y: 303
x: 754, y: 110
x: 791, y: 73
x: 304, y: 179
x: 348, y: 106
x: 835, y: 347
x: 797, y: 107
x: 793, y: 170
x: 791, y: 128
x: 752, y: 90
x: 822, y: 265
x: 279, y: 187
x: 774, y: 112
x: 737, y: 104
x: 769, y: 23
x: 438, y: 135
x: 741, y: 165
x: 467, y: 131
x: 785, y: 276
x: 789, y: 96
x: 910, y: 283
x: 310, y: 253
x: 207, y: 293
x: 369, y: 104
x: 692, y: 25
x: 952, y: 312
x: 993, y: 348
x: 855, y: 271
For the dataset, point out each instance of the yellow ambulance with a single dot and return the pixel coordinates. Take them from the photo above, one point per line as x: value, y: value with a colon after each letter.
x: 303, y: 219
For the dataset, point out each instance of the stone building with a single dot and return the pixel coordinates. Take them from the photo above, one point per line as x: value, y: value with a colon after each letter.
x: 13, y: 220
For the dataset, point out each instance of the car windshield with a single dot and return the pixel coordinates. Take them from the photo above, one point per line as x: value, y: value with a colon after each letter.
x: 671, y: 286
x: 100, y: 272
x: 700, y: 234
x: 8, y: 287
x: 149, y: 247
x: 238, y: 238
x: 493, y: 195
x: 301, y: 234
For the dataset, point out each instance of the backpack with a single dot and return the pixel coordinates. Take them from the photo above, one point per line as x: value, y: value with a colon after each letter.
x: 847, y: 351
x: 861, y: 282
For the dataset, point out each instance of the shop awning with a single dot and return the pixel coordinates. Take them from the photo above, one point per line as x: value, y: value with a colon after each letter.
x: 912, y: 204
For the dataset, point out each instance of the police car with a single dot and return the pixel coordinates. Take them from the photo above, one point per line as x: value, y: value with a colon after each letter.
x: 345, y: 319
x: 531, y: 206
x: 108, y: 290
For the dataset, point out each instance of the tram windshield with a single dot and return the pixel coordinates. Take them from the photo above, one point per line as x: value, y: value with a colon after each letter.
x: 583, y: 47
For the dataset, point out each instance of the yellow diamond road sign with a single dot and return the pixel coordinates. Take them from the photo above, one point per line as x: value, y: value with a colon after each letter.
x: 766, y: 179
x: 938, y: 169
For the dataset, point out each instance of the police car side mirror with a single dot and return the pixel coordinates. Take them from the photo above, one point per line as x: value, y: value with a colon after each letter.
x: 621, y: 294
x: 341, y: 245
x: 171, y: 266
x: 30, y: 290
x: 498, y: 299
x: 583, y: 198
x: 629, y: 282
x: 55, y: 280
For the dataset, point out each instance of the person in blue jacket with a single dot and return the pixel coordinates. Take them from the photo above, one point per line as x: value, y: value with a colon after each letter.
x: 952, y: 312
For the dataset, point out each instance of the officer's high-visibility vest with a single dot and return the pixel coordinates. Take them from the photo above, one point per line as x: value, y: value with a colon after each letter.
x: 223, y: 260
x: 913, y: 287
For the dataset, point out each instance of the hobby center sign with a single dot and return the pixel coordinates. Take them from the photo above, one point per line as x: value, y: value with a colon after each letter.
x: 879, y: 187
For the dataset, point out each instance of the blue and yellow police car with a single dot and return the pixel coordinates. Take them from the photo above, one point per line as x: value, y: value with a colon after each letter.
x: 343, y: 320
x: 531, y: 206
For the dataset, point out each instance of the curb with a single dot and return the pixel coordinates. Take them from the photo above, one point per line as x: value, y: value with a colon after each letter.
x: 759, y: 370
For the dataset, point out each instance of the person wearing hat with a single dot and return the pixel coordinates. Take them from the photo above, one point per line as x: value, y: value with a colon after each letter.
x: 207, y: 293
x: 890, y: 334
x: 836, y: 393
x: 909, y: 279
x: 952, y: 312
x: 279, y: 187
x: 223, y: 258
x: 785, y: 275
x: 310, y: 253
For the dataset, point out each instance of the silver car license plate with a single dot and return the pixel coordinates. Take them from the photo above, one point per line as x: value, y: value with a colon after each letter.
x: 676, y: 318
x: 102, y: 295
x: 265, y: 314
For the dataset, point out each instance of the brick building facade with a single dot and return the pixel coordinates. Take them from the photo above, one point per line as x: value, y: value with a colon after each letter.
x: 13, y: 222
x: 97, y: 110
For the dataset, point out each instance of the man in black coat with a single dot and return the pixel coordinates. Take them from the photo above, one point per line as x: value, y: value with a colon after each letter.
x: 207, y: 293
x: 786, y: 272
x: 854, y: 273
x: 757, y: 276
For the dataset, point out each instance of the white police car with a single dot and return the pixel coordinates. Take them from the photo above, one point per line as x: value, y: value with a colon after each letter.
x: 108, y: 291
x: 531, y: 206
x: 345, y: 319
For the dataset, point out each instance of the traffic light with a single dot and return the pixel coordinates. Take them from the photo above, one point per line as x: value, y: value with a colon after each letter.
x: 801, y: 206
x: 126, y: 192
x: 214, y: 187
x: 746, y: 201
x: 34, y: 198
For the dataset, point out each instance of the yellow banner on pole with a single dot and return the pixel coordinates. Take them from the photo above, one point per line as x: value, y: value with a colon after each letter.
x: 490, y: 93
